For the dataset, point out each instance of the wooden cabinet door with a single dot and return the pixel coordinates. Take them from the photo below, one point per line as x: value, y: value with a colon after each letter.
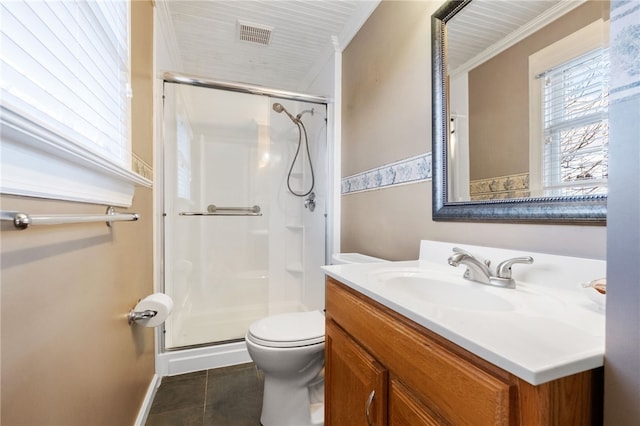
x: 406, y: 410
x: 356, y: 384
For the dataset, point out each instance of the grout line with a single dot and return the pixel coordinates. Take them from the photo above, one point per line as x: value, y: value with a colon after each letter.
x: 204, y: 403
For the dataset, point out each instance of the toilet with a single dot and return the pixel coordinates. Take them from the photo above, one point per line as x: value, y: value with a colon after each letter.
x: 289, y: 350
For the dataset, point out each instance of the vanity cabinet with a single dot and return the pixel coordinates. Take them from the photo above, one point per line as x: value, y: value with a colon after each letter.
x: 382, y: 368
x: 360, y: 381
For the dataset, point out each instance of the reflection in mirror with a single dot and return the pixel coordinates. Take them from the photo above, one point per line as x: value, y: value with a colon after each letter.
x: 523, y: 89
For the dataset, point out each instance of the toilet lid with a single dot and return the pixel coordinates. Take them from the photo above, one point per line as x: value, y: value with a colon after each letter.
x: 288, y: 330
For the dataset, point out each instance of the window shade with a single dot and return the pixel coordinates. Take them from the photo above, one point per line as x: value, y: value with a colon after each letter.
x: 576, y: 128
x: 65, y: 70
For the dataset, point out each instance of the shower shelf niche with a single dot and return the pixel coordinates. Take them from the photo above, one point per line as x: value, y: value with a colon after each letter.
x: 294, y: 254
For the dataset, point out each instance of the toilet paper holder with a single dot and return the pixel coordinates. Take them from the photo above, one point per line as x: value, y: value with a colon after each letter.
x: 134, y: 316
x: 151, y: 311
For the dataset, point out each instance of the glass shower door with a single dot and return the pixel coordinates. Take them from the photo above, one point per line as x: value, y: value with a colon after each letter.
x: 216, y: 209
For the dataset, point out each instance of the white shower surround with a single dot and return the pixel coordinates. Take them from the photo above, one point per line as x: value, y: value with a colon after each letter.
x: 324, y: 78
x: 287, y: 279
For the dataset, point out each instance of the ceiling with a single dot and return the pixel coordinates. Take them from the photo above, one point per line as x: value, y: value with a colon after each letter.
x: 303, y: 36
x: 485, y: 27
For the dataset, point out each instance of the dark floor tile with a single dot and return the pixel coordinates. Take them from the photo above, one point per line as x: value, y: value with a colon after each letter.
x: 177, y: 394
x: 234, y: 396
x: 232, y: 384
x: 186, y: 376
x: 229, y: 396
x: 231, y: 416
x: 231, y: 370
x: 192, y: 416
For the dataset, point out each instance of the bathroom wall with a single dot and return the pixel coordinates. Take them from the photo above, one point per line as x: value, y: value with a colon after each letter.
x: 386, y: 117
x: 68, y: 355
x: 622, y: 361
x: 496, y: 119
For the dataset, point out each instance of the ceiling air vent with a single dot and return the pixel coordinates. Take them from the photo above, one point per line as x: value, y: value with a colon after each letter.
x: 254, y: 33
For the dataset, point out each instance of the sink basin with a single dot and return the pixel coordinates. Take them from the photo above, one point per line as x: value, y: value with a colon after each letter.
x: 442, y: 290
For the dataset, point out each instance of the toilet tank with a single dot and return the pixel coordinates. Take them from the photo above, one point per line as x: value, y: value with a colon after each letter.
x: 343, y: 258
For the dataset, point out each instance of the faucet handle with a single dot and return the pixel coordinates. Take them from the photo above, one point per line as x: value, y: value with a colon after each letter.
x: 504, y: 268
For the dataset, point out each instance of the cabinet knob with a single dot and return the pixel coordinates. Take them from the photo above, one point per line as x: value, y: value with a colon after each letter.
x: 367, y: 407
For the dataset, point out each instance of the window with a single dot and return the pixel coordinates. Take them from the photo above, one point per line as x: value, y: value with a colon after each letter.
x: 65, y: 113
x: 576, y: 127
x: 568, y: 107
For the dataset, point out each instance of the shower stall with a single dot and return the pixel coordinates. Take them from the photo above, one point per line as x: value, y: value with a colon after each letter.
x: 245, y: 181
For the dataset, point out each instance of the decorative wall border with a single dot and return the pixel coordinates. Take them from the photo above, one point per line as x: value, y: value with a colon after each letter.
x: 503, y: 187
x: 410, y: 170
x: 139, y: 166
x: 625, y: 60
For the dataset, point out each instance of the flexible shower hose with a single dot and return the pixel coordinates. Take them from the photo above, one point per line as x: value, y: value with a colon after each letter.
x: 301, y: 130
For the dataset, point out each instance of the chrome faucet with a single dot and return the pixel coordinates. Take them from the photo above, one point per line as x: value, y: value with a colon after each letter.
x: 480, y: 271
x: 476, y: 270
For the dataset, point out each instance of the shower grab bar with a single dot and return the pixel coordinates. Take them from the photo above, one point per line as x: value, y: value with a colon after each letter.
x: 218, y: 214
x: 213, y: 210
x: 23, y: 220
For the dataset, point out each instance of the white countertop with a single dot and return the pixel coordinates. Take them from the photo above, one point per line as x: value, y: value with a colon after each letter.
x: 542, y: 331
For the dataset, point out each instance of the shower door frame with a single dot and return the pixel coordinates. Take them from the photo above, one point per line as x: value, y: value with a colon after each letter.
x: 208, y: 355
x: 191, y: 80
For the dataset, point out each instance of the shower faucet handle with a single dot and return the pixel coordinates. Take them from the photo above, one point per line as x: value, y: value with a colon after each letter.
x: 309, y: 202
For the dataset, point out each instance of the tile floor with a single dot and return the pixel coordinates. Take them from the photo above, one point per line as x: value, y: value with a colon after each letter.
x: 230, y: 396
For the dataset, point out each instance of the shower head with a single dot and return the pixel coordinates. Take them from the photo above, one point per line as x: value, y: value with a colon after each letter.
x: 310, y: 111
x: 279, y: 108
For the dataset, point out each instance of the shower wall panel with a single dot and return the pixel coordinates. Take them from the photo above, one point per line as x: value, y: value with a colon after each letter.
x: 228, y: 149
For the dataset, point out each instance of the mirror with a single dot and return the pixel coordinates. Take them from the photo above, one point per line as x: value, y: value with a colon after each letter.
x: 520, y: 128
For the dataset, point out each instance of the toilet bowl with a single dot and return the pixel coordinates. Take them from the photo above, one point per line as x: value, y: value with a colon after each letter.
x: 289, y: 350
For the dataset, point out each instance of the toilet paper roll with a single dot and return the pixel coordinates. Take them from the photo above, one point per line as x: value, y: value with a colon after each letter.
x: 158, y: 302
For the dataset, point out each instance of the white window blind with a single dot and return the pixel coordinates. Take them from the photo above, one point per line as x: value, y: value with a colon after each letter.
x: 576, y: 127
x: 65, y: 67
x: 64, y: 85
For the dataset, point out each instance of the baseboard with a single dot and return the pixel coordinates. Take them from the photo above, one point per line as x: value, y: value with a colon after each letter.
x: 143, y: 413
x: 198, y: 359
x: 186, y: 361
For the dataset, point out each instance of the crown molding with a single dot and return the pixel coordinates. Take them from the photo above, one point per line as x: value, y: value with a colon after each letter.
x: 523, y: 32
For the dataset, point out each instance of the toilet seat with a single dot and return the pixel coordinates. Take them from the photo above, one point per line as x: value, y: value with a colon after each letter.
x: 288, y: 330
